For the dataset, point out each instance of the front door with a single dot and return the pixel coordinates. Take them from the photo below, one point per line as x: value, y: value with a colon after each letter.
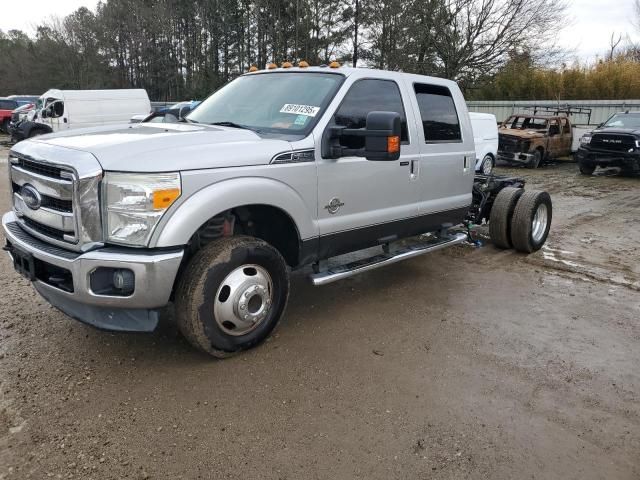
x: 362, y: 202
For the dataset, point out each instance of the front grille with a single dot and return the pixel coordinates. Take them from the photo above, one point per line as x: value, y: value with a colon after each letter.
x: 44, y: 229
x: 613, y: 142
x: 509, y: 145
x: 57, y: 202
x: 43, y: 169
x: 50, y: 202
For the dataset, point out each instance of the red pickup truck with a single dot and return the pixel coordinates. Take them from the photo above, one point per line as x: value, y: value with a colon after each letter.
x: 7, y: 106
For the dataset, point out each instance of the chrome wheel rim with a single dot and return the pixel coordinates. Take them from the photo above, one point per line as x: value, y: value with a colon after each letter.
x: 487, y: 165
x: 539, y: 224
x: 243, y: 300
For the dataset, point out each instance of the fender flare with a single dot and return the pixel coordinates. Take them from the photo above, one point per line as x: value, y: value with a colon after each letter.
x: 181, y: 222
x: 27, y: 127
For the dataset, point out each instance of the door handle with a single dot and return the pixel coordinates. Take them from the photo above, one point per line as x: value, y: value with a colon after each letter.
x: 414, y: 169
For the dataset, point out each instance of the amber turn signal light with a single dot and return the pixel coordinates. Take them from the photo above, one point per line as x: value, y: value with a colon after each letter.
x: 393, y: 144
x: 164, y: 198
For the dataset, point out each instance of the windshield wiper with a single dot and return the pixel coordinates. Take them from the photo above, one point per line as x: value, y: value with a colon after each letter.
x: 232, y: 125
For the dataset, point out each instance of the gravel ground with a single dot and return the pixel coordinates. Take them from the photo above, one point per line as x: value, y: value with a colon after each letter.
x: 468, y: 363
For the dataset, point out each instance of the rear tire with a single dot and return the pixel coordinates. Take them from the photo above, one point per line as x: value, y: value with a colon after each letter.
x: 231, y: 295
x: 586, y: 168
x: 500, y: 218
x: 5, y: 126
x: 486, y: 167
x: 531, y: 221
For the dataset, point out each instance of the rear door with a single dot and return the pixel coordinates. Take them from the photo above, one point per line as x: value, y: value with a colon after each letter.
x: 362, y: 201
x: 447, y: 156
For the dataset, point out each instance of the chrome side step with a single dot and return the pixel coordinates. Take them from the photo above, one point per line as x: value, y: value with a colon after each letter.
x: 339, y: 272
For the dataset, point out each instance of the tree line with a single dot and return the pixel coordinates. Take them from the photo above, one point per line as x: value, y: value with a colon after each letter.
x: 179, y: 49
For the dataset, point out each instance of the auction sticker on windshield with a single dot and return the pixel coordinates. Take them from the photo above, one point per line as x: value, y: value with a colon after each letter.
x: 308, y: 110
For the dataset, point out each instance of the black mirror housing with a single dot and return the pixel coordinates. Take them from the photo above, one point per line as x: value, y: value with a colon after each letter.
x: 382, y: 137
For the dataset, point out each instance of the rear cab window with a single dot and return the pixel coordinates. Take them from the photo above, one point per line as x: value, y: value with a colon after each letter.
x: 440, y: 122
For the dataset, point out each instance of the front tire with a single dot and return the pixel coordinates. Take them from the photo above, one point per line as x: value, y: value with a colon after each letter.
x: 536, y: 160
x: 531, y: 221
x: 586, y: 168
x: 231, y: 295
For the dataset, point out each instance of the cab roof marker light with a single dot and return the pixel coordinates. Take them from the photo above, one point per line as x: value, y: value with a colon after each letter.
x: 303, y: 64
x: 334, y: 64
x: 271, y: 66
x: 287, y: 65
x: 253, y: 68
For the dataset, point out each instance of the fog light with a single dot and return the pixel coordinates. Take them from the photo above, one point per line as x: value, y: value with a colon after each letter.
x: 119, y: 282
x: 123, y: 280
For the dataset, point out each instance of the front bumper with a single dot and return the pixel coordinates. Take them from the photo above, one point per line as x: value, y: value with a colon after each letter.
x: 154, y: 271
x: 606, y: 158
x: 515, y: 157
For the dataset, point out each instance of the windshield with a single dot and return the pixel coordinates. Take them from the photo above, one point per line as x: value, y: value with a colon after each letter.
x: 524, y: 123
x: 624, y: 120
x: 287, y: 102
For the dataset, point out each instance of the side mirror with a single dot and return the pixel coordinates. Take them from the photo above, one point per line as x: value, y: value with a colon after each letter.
x: 44, y: 113
x: 381, y: 138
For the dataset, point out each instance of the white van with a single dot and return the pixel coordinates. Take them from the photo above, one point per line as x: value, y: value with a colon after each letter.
x: 485, y: 138
x: 58, y: 110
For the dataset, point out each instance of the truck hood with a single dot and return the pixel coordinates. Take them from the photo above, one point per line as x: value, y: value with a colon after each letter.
x: 165, y: 147
x: 617, y: 131
x: 523, y: 134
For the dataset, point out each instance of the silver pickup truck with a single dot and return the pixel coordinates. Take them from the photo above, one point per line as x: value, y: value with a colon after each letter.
x: 280, y: 169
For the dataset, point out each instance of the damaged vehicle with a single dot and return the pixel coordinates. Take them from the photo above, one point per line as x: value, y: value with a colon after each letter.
x: 529, y: 140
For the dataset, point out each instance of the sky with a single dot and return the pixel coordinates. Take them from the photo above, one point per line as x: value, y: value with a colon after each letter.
x: 590, y: 22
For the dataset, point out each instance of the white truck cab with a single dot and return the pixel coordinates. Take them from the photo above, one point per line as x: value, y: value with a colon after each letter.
x: 59, y: 110
x: 278, y: 170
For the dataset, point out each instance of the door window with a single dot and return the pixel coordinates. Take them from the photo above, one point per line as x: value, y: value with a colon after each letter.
x: 366, y: 96
x: 440, y: 121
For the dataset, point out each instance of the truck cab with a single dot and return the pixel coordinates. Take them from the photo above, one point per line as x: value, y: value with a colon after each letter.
x: 280, y: 169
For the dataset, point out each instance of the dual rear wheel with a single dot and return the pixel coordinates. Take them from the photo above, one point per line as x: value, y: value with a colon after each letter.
x: 520, y: 220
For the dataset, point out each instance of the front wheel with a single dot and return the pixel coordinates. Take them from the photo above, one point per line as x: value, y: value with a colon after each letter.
x: 231, y: 295
x: 5, y: 126
x: 536, y: 160
x: 586, y: 168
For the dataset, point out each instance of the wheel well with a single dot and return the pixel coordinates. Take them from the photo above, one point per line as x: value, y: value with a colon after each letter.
x: 266, y: 222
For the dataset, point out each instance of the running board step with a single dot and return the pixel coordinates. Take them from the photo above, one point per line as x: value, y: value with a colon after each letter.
x: 339, y: 272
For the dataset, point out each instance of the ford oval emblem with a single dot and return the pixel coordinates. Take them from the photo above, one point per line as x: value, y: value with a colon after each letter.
x: 31, y: 197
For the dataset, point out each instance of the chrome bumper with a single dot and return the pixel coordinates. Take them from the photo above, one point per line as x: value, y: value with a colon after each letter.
x: 155, y: 273
x: 515, y: 157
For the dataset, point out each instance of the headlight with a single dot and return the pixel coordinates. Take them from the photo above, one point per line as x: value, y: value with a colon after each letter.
x: 585, y: 139
x: 134, y: 204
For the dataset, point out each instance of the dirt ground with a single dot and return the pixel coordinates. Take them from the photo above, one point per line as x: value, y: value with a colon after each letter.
x: 468, y: 363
